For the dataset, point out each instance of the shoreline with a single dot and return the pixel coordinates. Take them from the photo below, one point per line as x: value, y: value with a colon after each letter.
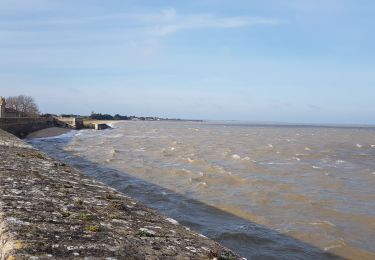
x: 51, y: 210
x: 48, y: 132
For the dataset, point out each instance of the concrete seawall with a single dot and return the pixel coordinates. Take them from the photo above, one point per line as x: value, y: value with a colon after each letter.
x: 49, y: 210
x: 23, y: 126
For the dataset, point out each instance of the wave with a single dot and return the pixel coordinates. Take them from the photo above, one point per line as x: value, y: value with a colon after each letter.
x: 325, y: 223
x: 236, y: 157
x: 276, y: 163
x: 253, y: 173
x: 340, y: 162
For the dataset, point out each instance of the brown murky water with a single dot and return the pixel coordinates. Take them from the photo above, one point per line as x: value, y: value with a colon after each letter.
x: 314, y: 184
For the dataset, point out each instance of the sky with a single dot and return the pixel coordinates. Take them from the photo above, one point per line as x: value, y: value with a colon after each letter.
x: 296, y: 61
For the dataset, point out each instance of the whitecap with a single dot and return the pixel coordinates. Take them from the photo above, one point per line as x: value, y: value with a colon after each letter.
x: 278, y: 163
x: 172, y: 148
x: 325, y: 222
x: 201, y: 173
x: 307, y: 149
x: 341, y: 243
x: 270, y: 145
x: 316, y: 167
x: 246, y: 158
x: 190, y: 160
x: 236, y: 156
x: 331, y: 247
x: 202, y: 184
x: 373, y: 146
x: 296, y: 158
x: 340, y: 162
x: 359, y: 145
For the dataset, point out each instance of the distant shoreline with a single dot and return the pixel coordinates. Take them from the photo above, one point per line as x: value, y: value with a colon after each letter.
x: 281, y: 124
x: 56, y: 131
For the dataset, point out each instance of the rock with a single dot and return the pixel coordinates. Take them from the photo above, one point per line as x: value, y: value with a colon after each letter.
x: 50, y: 210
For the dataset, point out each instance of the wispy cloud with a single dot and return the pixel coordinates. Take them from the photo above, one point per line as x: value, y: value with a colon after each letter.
x: 160, y: 23
x: 100, y: 38
x: 168, y: 22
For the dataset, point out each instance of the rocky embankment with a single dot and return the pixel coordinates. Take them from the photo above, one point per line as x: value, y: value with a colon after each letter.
x: 49, y: 210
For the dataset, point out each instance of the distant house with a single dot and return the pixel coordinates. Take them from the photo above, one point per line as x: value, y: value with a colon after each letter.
x: 10, y: 112
x: 6, y: 112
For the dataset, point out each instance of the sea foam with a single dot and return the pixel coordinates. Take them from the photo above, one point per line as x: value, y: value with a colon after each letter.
x: 236, y: 157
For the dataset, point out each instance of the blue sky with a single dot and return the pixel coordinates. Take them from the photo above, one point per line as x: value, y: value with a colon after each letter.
x: 304, y: 61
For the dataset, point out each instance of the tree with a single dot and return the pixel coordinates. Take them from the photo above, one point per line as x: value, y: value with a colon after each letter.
x: 101, y: 117
x: 25, y: 105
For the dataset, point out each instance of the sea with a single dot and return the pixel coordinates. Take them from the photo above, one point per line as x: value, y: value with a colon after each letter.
x: 265, y: 191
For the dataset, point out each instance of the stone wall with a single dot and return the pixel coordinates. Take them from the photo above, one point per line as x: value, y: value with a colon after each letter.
x: 71, y: 122
x: 21, y: 127
x: 2, y: 107
x: 49, y: 210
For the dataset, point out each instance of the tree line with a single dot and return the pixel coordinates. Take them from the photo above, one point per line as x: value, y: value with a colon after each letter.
x: 24, y: 105
x: 99, y: 116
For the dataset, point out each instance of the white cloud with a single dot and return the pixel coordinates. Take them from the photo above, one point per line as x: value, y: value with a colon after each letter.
x: 169, y: 22
x: 86, y: 39
x: 161, y: 23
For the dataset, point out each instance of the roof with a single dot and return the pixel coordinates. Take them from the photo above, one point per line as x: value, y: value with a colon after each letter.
x: 10, y: 110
